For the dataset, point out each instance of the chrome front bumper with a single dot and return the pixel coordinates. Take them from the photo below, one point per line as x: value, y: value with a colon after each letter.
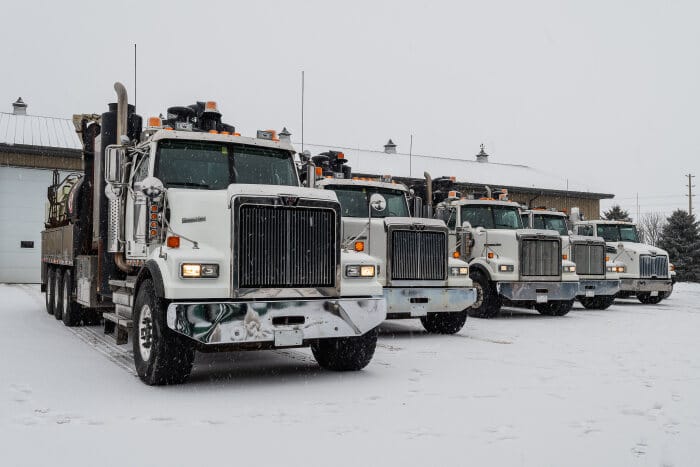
x: 598, y: 287
x: 538, y: 292
x: 646, y: 285
x: 405, y: 302
x: 276, y: 323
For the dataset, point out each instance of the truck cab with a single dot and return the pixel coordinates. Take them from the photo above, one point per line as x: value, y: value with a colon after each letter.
x: 645, y: 271
x: 599, y: 281
x: 420, y: 277
x: 508, y: 263
x: 203, y: 239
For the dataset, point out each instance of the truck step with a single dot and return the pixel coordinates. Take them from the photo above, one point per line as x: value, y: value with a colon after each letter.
x: 128, y: 283
x: 117, y: 325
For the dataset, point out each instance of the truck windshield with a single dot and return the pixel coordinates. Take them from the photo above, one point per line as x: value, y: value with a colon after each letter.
x: 492, y: 216
x: 214, y: 166
x: 354, y: 201
x: 618, y: 233
x: 557, y: 223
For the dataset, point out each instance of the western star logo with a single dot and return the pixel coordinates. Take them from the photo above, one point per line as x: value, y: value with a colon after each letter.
x: 288, y: 200
x: 189, y: 220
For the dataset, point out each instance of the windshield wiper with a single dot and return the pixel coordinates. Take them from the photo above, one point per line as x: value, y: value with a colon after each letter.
x: 188, y: 184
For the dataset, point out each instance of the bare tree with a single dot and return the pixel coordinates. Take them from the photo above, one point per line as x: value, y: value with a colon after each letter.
x: 650, y: 226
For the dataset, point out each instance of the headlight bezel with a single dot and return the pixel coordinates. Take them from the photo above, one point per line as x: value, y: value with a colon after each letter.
x: 360, y: 271
x: 506, y: 268
x: 192, y: 270
x: 569, y: 269
x: 459, y: 270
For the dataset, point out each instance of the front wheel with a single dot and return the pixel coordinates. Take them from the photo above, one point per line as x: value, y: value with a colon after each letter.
x: 444, y: 323
x: 647, y: 299
x: 488, y: 303
x: 346, y: 353
x: 555, y: 308
x: 161, y: 356
x: 601, y: 302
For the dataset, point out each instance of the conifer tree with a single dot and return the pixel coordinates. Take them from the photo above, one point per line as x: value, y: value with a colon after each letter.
x: 681, y: 239
x: 616, y: 213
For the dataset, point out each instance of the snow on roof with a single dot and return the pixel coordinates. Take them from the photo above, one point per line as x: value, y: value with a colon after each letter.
x: 34, y: 130
x: 466, y: 170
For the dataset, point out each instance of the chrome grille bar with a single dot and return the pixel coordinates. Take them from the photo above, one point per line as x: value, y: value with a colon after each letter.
x: 589, y: 258
x: 653, y: 266
x: 418, y: 255
x: 286, y: 246
x: 540, y: 257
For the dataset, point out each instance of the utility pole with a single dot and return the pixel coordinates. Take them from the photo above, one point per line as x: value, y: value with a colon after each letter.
x: 302, y: 110
x: 410, y: 159
x: 690, y: 192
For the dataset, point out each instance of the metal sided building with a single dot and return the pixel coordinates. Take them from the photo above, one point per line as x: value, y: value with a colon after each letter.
x: 30, y: 148
x: 525, y: 185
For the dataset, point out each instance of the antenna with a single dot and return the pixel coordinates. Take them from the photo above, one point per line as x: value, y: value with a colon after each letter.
x: 302, y: 110
x: 134, y: 74
x: 410, y: 158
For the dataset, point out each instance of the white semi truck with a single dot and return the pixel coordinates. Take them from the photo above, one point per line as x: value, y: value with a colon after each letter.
x: 645, y: 271
x: 420, y: 277
x: 508, y: 263
x: 187, y: 236
x: 599, y: 280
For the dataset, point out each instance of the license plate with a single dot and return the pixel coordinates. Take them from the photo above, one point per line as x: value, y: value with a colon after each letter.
x: 590, y: 293
x: 541, y: 298
x: 655, y: 293
x: 289, y: 338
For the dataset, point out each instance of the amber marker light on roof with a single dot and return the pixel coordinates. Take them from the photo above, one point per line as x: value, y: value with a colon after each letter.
x: 210, y: 105
x: 153, y: 121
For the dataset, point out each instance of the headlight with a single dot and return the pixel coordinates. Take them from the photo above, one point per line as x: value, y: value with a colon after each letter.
x: 621, y: 268
x: 569, y: 268
x: 359, y: 270
x: 506, y: 268
x: 196, y: 270
x: 611, y: 269
x: 459, y: 271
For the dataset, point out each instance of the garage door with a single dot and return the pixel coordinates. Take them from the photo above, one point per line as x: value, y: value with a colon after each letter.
x: 22, y: 206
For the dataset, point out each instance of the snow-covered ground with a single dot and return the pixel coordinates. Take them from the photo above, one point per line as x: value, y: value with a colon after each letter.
x: 595, y: 388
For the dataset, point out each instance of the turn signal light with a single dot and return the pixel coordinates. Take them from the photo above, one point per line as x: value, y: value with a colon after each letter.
x: 319, y: 171
x: 213, y: 132
x: 607, y: 258
x: 173, y: 242
x: 340, y: 155
x: 490, y: 255
x: 359, y: 246
x: 211, y: 106
x: 154, y: 121
x: 564, y: 256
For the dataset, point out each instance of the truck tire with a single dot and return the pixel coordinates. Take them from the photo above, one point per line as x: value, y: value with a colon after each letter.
x: 488, y: 303
x: 50, y: 294
x: 346, y: 353
x: 600, y: 302
x: 555, y: 307
x: 160, y: 355
x: 647, y: 299
x: 58, y: 293
x: 72, y: 312
x: 444, y: 323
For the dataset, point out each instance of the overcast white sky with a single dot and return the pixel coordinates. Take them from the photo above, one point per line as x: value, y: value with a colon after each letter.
x: 604, y: 91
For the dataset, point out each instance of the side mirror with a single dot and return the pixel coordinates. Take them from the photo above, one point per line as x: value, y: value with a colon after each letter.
x: 115, y: 157
x: 377, y: 202
x: 152, y: 187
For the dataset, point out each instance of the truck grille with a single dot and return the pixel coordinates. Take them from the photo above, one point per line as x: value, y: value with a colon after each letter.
x: 589, y: 258
x: 653, y: 266
x: 418, y: 255
x: 282, y: 246
x: 540, y: 257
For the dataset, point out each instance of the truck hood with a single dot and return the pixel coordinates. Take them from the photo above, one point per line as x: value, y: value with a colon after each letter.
x: 638, y: 248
